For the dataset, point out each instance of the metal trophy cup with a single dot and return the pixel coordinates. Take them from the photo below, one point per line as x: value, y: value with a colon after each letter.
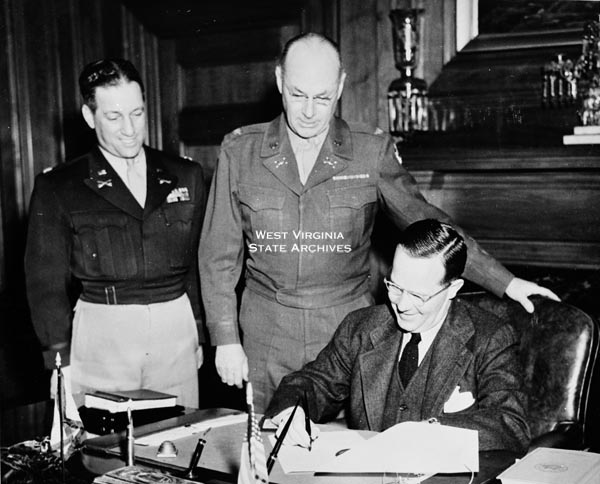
x: 407, y: 96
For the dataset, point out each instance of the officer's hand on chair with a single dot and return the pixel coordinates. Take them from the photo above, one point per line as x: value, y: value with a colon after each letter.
x: 520, y: 290
x: 232, y: 364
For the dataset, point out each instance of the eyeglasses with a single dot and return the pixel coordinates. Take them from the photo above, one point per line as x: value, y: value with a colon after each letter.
x: 395, y: 291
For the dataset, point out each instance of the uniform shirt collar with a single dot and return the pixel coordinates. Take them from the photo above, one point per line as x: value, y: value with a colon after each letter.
x: 427, y: 336
x: 120, y: 164
x: 300, y: 144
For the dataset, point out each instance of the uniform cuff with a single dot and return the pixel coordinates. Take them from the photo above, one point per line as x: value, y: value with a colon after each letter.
x: 224, y: 333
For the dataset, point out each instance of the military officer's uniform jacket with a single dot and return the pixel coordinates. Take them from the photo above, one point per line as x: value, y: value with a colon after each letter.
x: 87, y: 229
x: 307, y: 246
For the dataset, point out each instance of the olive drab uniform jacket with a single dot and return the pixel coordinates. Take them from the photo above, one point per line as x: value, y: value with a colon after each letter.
x: 307, y: 246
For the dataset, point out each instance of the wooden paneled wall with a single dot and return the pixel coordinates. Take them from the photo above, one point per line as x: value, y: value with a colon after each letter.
x: 366, y: 43
x: 228, y: 78
x: 529, y: 206
x: 43, y: 46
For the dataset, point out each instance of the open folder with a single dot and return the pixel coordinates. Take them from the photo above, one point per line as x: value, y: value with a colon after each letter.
x: 410, y: 447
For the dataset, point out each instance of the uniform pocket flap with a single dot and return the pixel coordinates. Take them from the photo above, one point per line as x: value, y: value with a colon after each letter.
x: 260, y: 198
x: 179, y: 212
x: 353, y: 197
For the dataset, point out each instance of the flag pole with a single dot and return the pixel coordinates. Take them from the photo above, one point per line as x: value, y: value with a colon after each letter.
x: 61, y: 416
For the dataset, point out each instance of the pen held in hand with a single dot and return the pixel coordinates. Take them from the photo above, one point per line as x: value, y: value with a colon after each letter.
x: 307, y: 423
x: 273, y: 455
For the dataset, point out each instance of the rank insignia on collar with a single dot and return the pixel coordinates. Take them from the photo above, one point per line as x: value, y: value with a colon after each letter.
x: 102, y: 172
x: 330, y: 162
x: 104, y: 183
x: 179, y: 194
x: 163, y: 180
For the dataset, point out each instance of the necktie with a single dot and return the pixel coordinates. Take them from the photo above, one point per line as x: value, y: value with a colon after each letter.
x: 136, y: 180
x: 409, y: 361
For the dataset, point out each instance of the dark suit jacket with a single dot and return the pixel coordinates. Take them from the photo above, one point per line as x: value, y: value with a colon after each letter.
x: 86, y: 226
x: 358, y: 370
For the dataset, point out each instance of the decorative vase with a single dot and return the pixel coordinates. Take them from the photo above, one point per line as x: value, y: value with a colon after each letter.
x: 407, y: 96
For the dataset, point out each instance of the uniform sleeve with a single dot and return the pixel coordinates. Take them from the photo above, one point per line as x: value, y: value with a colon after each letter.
x: 404, y: 204
x: 192, y: 279
x: 221, y: 254
x: 500, y: 413
x: 47, y: 271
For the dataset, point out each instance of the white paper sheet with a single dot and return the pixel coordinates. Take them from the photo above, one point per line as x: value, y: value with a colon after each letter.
x: 411, y: 447
x: 293, y: 458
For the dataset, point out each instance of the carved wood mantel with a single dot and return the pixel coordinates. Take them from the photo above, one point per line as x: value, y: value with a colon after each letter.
x: 526, y: 206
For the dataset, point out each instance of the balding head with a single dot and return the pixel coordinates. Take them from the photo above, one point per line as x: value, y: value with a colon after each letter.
x: 310, y: 79
x: 311, y: 47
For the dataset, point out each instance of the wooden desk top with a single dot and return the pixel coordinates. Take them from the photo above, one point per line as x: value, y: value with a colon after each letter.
x: 221, y: 456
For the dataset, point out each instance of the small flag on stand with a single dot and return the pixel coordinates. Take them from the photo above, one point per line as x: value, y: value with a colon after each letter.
x: 66, y: 424
x: 253, y: 468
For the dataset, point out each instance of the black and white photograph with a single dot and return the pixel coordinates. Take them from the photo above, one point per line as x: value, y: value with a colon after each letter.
x: 300, y: 241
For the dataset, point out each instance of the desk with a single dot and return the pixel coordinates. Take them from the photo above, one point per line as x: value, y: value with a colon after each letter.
x: 220, y: 459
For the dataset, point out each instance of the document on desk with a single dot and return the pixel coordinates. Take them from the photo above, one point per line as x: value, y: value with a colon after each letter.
x: 175, y: 433
x: 293, y: 458
x: 411, y: 447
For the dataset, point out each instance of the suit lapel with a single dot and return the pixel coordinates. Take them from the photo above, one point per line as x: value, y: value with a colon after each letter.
x: 160, y: 182
x: 106, y: 183
x: 450, y: 356
x: 376, y: 368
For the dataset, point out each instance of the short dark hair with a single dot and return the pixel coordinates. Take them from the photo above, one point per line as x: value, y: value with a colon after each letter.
x: 307, y: 36
x: 106, y: 72
x: 430, y: 238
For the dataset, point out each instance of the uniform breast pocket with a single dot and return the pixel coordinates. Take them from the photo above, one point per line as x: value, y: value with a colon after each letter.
x: 104, y: 244
x: 262, y: 208
x: 352, y: 208
x: 179, y: 221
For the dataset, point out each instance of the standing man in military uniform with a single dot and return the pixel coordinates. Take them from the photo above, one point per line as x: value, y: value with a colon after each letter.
x: 296, y: 200
x: 123, y: 222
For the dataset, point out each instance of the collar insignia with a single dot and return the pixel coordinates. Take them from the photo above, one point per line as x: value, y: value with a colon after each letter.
x: 163, y: 180
x: 104, y: 183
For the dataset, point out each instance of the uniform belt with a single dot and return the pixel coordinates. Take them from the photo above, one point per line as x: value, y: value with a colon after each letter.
x: 111, y: 294
x: 313, y: 297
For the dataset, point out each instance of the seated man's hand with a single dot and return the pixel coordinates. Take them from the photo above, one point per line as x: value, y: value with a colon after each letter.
x: 232, y: 364
x: 520, y: 290
x: 66, y: 372
x: 297, y: 434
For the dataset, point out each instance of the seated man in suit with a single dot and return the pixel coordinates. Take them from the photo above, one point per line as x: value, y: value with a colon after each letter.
x: 428, y: 355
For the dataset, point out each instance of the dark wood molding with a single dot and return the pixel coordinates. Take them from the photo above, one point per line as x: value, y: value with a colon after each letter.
x: 222, y: 48
x: 207, y: 125
x: 584, y: 157
x: 557, y: 39
x: 570, y: 255
x: 528, y: 206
